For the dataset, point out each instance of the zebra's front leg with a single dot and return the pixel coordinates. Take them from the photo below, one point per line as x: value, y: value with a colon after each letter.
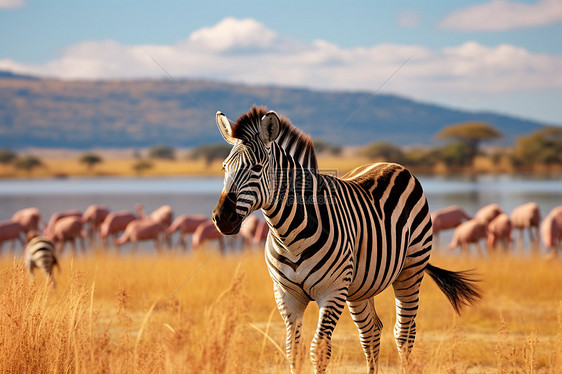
x: 292, y: 310
x: 370, y: 326
x: 328, y: 316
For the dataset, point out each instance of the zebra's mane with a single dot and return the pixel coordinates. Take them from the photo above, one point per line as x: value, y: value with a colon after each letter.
x: 291, y: 139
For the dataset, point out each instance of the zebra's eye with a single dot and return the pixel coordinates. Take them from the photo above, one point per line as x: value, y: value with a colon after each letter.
x: 256, y: 168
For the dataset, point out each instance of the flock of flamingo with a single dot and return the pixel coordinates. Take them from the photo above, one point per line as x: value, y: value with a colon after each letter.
x: 492, y: 224
x: 43, y: 243
x: 98, y: 223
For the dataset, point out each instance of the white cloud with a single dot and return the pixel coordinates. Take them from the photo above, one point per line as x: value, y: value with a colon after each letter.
x: 233, y: 34
x: 9, y: 4
x: 246, y: 51
x: 501, y: 15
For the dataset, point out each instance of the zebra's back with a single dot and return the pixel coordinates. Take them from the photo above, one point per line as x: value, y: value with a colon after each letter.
x: 392, y: 227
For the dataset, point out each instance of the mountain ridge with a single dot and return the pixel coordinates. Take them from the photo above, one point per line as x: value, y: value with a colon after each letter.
x: 51, y: 113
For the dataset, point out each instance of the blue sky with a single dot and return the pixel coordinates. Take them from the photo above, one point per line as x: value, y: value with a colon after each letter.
x: 498, y: 55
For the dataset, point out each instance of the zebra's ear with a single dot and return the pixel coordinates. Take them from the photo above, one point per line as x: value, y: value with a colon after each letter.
x: 224, y: 127
x: 269, y: 127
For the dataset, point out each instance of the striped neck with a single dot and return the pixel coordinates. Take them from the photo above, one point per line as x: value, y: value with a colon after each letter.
x: 297, y: 145
x: 294, y: 189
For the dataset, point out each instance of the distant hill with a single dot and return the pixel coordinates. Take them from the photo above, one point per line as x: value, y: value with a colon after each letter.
x: 139, y: 113
x: 10, y: 75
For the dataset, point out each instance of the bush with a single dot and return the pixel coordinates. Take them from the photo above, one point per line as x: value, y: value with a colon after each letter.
x: 27, y: 163
x: 211, y: 152
x: 142, y: 165
x: 385, y: 151
x: 162, y: 152
x: 426, y: 158
x: 7, y: 156
x: 540, y: 147
x: 321, y: 146
x: 456, y: 154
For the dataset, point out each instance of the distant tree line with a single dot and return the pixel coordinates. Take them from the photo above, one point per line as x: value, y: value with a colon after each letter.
x: 533, y: 152
x: 26, y: 162
x: 463, y: 143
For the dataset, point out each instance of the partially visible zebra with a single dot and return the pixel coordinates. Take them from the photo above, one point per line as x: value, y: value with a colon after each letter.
x: 334, y: 241
x: 40, y: 253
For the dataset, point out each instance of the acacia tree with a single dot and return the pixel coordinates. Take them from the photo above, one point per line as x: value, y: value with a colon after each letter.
x: 471, y: 134
x: 90, y: 159
x: 27, y: 163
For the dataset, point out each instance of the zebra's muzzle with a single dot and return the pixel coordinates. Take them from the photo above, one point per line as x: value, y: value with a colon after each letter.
x: 225, y: 218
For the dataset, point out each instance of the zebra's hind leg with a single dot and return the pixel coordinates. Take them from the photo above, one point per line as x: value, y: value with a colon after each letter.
x: 292, y: 311
x: 406, y: 293
x: 370, y: 326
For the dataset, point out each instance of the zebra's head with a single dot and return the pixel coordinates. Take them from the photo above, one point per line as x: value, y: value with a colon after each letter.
x: 247, y: 181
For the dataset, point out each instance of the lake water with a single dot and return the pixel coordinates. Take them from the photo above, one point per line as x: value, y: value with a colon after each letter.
x: 198, y: 195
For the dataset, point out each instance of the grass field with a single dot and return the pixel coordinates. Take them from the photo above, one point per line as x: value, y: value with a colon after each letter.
x: 206, y: 313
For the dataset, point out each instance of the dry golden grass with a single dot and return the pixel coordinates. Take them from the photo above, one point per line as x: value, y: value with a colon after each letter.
x: 69, y: 167
x: 205, y: 313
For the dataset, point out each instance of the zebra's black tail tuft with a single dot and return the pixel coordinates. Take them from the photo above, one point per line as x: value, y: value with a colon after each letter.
x: 459, y: 286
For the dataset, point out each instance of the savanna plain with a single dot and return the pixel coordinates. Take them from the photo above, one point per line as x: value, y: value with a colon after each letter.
x: 203, y: 312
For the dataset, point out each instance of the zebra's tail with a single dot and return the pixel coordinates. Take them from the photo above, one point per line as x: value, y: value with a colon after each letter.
x: 459, y: 286
x: 56, y: 263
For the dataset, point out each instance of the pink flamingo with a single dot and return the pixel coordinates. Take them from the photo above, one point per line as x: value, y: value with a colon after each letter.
x: 469, y: 232
x: 68, y: 229
x: 487, y: 213
x: 142, y: 229
x: 58, y: 215
x: 447, y: 218
x: 551, y: 230
x: 527, y: 216
x: 10, y: 231
x: 185, y: 224
x: 163, y: 215
x: 261, y: 232
x: 94, y: 217
x: 248, y: 230
x: 115, y: 223
x: 499, y: 231
x: 207, y: 231
x: 29, y: 218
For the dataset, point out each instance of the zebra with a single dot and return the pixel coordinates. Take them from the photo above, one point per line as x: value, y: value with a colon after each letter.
x: 40, y: 253
x: 335, y: 241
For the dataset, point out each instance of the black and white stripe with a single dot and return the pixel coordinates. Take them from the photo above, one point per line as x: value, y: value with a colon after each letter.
x: 40, y: 253
x: 335, y: 241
